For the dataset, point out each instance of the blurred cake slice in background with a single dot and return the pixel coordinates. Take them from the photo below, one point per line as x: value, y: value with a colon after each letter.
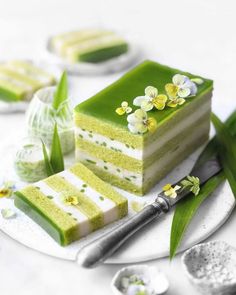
x: 88, y: 45
x: 20, y: 79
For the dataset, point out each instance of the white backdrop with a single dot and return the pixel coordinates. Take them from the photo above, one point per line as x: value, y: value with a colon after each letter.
x: 197, y: 36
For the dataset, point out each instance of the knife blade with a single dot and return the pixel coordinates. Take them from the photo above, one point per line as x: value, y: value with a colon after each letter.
x: 100, y: 249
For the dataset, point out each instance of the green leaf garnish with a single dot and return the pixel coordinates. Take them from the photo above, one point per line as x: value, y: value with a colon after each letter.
x: 48, y: 166
x: 192, y: 184
x: 187, y: 208
x: 226, y: 151
x: 61, y: 93
x: 56, y: 155
x: 191, y: 204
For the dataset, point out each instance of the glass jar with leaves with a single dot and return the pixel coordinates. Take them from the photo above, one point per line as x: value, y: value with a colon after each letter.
x: 51, y: 105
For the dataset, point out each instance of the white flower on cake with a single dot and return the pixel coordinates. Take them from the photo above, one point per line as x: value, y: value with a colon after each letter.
x: 138, y: 122
x: 151, y: 99
x: 182, y: 87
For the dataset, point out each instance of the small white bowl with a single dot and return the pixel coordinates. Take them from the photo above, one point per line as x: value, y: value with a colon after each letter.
x: 211, y: 268
x: 158, y: 280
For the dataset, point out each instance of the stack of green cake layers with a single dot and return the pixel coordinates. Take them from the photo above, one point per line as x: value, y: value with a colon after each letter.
x: 135, y: 162
x: 88, y: 45
x: 20, y: 79
x: 71, y: 204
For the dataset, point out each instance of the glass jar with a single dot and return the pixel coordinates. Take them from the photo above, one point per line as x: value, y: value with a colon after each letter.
x: 41, y: 118
x: 29, y: 160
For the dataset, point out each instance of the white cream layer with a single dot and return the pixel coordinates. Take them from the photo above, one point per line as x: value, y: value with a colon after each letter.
x: 140, y: 179
x: 107, y: 206
x: 142, y: 154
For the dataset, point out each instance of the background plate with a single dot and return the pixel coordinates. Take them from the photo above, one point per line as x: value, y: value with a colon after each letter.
x: 150, y: 243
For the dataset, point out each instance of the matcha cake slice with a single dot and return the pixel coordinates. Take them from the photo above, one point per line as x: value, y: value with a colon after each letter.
x: 91, y: 45
x: 20, y: 79
x: 132, y: 133
x: 71, y: 204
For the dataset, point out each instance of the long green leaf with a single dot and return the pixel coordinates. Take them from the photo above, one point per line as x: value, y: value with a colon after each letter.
x: 48, y: 166
x: 56, y: 156
x: 179, y: 222
x: 226, y: 150
x: 61, y: 93
x: 187, y: 208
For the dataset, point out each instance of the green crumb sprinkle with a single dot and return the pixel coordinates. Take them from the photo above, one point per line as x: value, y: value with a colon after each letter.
x: 83, y: 129
x: 101, y: 198
x: 50, y: 197
x: 81, y: 136
x: 132, y: 147
x: 69, y: 213
x: 118, y: 170
x: 90, y: 161
x: 112, y: 139
x: 75, y: 218
x: 84, y: 185
x: 90, y: 135
x: 104, y: 161
x: 127, y: 145
x: 104, y: 144
x: 127, y: 178
x: 37, y: 187
x: 133, y: 176
x: 82, y: 190
x: 97, y: 142
x: 105, y: 167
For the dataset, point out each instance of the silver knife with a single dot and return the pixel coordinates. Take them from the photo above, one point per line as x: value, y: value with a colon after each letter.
x: 100, y: 249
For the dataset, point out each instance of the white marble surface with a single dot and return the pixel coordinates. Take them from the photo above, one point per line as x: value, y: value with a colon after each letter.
x: 198, y: 36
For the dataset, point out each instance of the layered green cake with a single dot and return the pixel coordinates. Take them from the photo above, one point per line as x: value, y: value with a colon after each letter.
x: 113, y: 142
x: 20, y: 79
x: 71, y: 204
x: 89, y: 45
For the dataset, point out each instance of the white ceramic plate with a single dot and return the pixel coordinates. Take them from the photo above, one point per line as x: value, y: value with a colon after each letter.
x: 150, y: 243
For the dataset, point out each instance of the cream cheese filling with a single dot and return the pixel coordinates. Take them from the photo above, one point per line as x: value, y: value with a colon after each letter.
x: 142, y: 154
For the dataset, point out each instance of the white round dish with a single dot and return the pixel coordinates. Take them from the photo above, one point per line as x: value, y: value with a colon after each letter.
x: 150, y: 243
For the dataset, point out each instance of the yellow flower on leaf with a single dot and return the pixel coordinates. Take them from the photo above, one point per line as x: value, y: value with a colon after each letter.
x: 69, y: 200
x: 170, y: 191
x: 124, y: 109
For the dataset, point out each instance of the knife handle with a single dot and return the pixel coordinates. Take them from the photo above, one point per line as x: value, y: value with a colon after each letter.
x: 99, y: 250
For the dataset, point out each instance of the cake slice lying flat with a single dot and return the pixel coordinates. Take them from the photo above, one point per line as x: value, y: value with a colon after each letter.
x: 88, y: 45
x: 71, y: 204
x: 20, y: 79
x: 107, y: 143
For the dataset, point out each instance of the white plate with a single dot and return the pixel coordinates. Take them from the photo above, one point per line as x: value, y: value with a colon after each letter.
x: 150, y: 243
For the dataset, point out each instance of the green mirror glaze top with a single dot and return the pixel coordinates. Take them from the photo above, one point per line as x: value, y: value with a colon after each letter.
x: 103, y: 105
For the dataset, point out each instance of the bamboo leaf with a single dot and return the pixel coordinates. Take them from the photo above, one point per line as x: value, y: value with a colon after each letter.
x: 48, y: 166
x: 191, y: 204
x: 61, y: 93
x: 56, y: 156
x: 226, y: 150
x: 186, y: 210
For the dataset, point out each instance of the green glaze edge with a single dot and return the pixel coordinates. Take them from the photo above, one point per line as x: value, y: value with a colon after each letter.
x: 102, y: 106
x: 46, y: 221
